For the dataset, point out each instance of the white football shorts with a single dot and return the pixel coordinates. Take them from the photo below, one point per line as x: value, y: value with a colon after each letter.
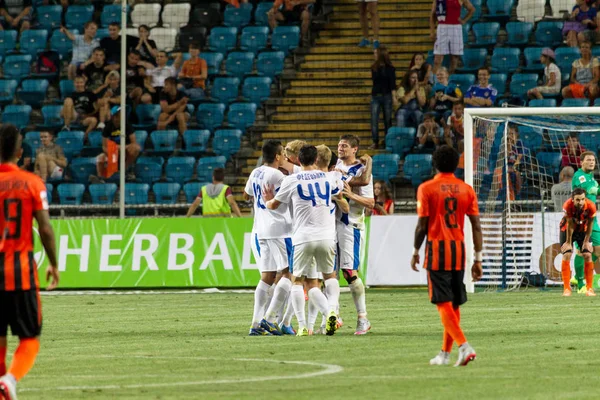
x: 320, y: 253
x: 275, y: 254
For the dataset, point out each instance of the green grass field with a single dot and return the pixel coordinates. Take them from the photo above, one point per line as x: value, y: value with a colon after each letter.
x: 530, y: 345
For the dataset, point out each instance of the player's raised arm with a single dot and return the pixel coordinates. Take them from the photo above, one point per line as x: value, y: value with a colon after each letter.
x: 365, y: 177
x: 49, y: 243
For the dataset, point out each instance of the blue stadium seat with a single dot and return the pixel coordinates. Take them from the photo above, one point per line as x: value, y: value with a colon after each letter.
x: 385, y: 166
x: 521, y: 83
x: 81, y: 168
x: 164, y: 142
x: 253, y: 40
x: 225, y: 90
x: 32, y: 138
x: 49, y: 17
x: 52, y: 118
x: 213, y: 62
x: 575, y: 103
x: 486, y: 33
x: 239, y: 63
x: 166, y: 192
x: 191, y: 190
x: 206, y: 165
x: 49, y: 191
x: 227, y: 142
x: 151, y: 159
x: 285, y: 38
x: 590, y: 140
x: 531, y: 137
x: 210, y: 115
x: 101, y: 33
x: 532, y: 59
x: 260, y: 14
x: 140, y: 138
x: 60, y: 43
x: 147, y: 117
x: 32, y: 41
x: 180, y: 169
x: 33, y: 91
x: 417, y: 168
x: 103, y: 193
x: 476, y: 15
x: 542, y: 103
x: 77, y: 16
x: 195, y: 141
x: 400, y: 140
x: 95, y: 144
x: 237, y: 16
x: 549, y: 162
x: 17, y: 66
x: 71, y: 143
x: 473, y: 59
x: 136, y: 193
x: 70, y: 193
x: 17, y: 115
x: 565, y: 56
x: 7, y: 91
x: 518, y: 33
x: 256, y: 90
x: 111, y: 13
x: 8, y: 42
x: 241, y: 115
x: 499, y: 9
x: 66, y: 88
x: 147, y: 171
x: 270, y: 63
x: 549, y: 33
x: 463, y: 81
x: 505, y: 59
x: 466, y: 29
x: 222, y: 39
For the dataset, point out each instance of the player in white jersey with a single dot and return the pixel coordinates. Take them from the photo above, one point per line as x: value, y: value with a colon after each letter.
x: 310, y: 194
x: 290, y: 162
x: 273, y: 230
x: 351, y: 226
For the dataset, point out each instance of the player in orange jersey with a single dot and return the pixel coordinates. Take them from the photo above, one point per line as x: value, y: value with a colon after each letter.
x: 577, y: 226
x: 22, y: 197
x: 442, y: 204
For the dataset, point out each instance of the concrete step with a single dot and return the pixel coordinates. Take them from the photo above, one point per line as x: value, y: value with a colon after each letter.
x: 331, y: 83
x: 328, y: 100
x: 395, y: 57
x: 400, y: 9
x: 309, y: 126
x: 327, y: 116
x: 331, y: 109
x: 385, y: 24
x: 394, y: 32
x: 352, y: 48
x: 395, y: 16
x: 329, y: 75
x: 329, y: 91
x: 386, y: 40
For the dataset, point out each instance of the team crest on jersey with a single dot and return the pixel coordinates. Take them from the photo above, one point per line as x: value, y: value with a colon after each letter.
x: 581, y: 179
x: 486, y: 93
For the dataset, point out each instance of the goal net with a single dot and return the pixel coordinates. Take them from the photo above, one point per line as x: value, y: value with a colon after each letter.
x: 517, y: 156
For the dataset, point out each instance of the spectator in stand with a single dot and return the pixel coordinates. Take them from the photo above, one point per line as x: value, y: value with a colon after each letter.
x: 384, y: 202
x: 216, y: 198
x: 291, y: 12
x: 16, y: 15
x: 571, y: 153
x: 383, y: 93
x: 449, y: 36
x: 561, y: 191
x: 160, y: 73
x: 411, y: 97
x: 112, y: 46
x: 552, y: 77
x: 50, y: 159
x: 582, y: 24
x: 585, y: 73
x: 109, y: 95
x: 146, y: 46
x: 83, y: 46
x: 428, y: 134
x: 419, y: 64
x: 173, y: 105
x: 135, y: 77
x: 80, y: 107
x: 369, y: 6
x: 194, y: 73
x: 454, y: 131
x: 94, y: 70
x: 443, y: 96
x: 483, y: 94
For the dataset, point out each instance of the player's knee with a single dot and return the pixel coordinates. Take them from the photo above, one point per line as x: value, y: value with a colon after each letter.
x: 587, y: 256
x: 268, y: 277
x: 567, y: 256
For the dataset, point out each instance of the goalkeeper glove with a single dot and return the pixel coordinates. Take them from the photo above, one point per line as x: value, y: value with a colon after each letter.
x: 593, y: 190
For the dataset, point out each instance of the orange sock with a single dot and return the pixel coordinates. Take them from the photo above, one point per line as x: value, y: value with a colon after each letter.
x: 589, y: 274
x: 448, y: 341
x: 24, y: 358
x: 566, y: 274
x: 451, y: 322
x: 2, y: 361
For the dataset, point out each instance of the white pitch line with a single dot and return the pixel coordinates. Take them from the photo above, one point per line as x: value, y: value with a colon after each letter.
x: 150, y: 292
x: 328, y: 369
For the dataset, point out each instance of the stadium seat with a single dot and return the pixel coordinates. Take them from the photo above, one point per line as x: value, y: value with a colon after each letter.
x: 32, y: 41
x: 254, y: 38
x: 285, y: 38
x: 531, y: 10
x: 549, y: 162
x: 101, y: 33
x: 256, y: 90
x: 52, y: 118
x: 165, y: 38
x: 77, y: 16
x: 60, y: 43
x: 531, y: 137
x: 486, y: 33
x: 241, y: 115
x: 190, y: 34
x: 191, y: 190
x: 239, y: 63
x: 521, y: 83
x: 17, y: 66
x: 180, y: 169
x: 400, y: 140
x: 505, y: 59
x: 49, y: 17
x: 210, y: 115
x: 140, y: 138
x: 466, y: 29
x: 81, y: 168
x: 95, y: 143
x: 195, y: 141
x: 590, y: 140
x: 151, y: 159
x: 549, y: 33
x: 542, y: 103
x: 260, y: 14
x: 559, y: 7
x: 71, y: 143
x: 70, y: 193
x: 103, y: 193
x: 8, y: 42
x: 222, y: 39
x: 206, y: 16
x: 33, y: 91
x: 164, y: 142
x: 476, y: 15
x: 213, y: 62
x: 206, y: 165
x: 575, y: 103
x: 463, y: 81
x: 565, y: 56
x: 225, y: 90
x: 49, y: 191
x: 473, y: 59
x: 417, y: 168
x: 176, y: 15
x: 147, y: 171
x: 66, y: 88
x: 270, y: 63
x: 532, y: 59
x: 32, y: 138
x: 111, y: 13
x: 147, y: 117
x: 238, y: 16
x: 7, y: 91
x: 136, y: 193
x: 518, y: 33
x: 166, y: 192
x: 227, y: 142
x: 499, y: 10
x: 385, y: 166
x: 16, y: 115
x: 145, y: 14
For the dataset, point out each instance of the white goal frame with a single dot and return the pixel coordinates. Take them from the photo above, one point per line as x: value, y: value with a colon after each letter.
x: 503, y: 112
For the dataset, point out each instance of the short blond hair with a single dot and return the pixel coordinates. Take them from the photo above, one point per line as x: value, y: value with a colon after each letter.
x: 293, y: 148
x: 323, y: 156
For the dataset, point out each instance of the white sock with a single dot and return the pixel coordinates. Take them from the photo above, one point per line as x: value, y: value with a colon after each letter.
x: 280, y: 295
x: 261, y: 295
x: 313, y: 311
x: 297, y: 296
x: 289, y: 313
x: 358, y: 294
x: 319, y: 299
x: 332, y: 291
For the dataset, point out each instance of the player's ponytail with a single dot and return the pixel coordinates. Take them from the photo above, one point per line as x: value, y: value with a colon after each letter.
x: 9, y: 139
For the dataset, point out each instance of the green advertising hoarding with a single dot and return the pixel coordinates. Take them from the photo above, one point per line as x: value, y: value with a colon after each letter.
x: 152, y: 253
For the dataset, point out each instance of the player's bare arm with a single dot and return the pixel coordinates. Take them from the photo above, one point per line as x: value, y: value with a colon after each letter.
x: 363, y: 201
x: 341, y: 202
x: 193, y: 207
x: 49, y: 243
x: 587, y: 241
x: 567, y: 247
x: 268, y: 194
x: 365, y: 178
x: 476, y: 270
x: 420, y: 234
x: 234, y: 206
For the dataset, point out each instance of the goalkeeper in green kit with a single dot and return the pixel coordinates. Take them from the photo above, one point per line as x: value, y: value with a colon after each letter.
x: 584, y: 178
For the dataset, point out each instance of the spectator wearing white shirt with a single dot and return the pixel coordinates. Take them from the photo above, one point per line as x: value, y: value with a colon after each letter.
x: 83, y: 46
x: 159, y: 74
x: 551, y: 76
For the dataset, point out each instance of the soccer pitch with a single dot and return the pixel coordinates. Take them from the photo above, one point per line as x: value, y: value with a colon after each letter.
x: 530, y: 345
